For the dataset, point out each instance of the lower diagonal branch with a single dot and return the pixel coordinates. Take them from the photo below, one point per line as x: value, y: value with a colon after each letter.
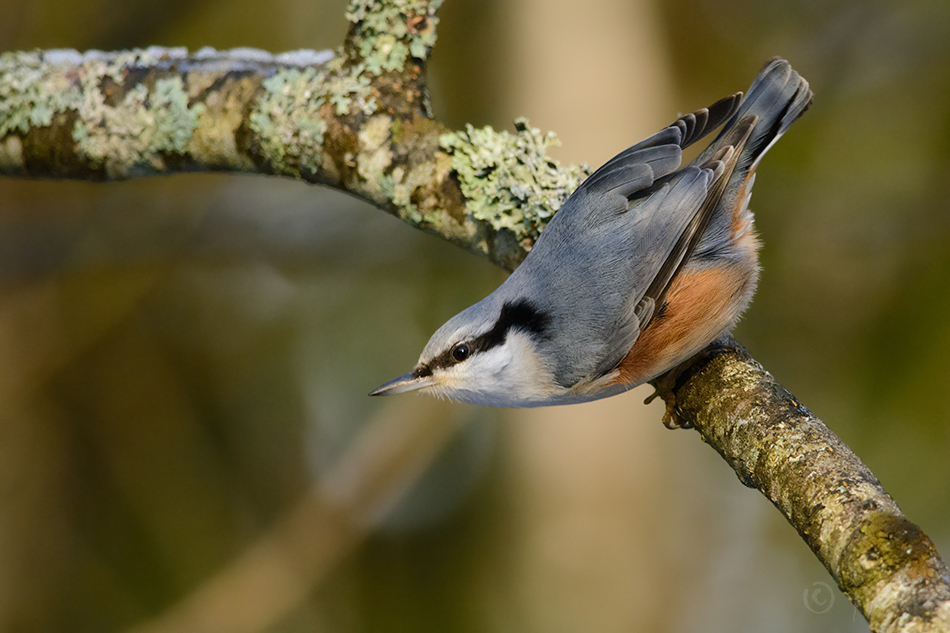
x: 885, y: 564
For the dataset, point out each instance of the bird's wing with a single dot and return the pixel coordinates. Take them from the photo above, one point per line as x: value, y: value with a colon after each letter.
x: 638, y: 166
x: 722, y: 165
x: 693, y: 195
x: 612, y: 251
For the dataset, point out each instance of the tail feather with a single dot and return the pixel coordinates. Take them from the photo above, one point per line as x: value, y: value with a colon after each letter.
x: 778, y: 96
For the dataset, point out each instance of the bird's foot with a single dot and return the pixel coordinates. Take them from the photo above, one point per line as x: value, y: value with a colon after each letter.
x: 668, y: 383
x: 664, y: 386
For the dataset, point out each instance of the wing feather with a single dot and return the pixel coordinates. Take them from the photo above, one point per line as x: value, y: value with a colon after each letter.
x: 662, y: 152
x: 618, y: 241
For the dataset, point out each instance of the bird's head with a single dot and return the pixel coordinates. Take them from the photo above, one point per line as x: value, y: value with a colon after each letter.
x: 484, y: 355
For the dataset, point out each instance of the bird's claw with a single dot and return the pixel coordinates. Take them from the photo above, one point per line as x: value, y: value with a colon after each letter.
x: 664, y: 385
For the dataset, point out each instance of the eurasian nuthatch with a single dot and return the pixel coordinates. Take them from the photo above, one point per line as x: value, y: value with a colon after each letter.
x: 643, y: 266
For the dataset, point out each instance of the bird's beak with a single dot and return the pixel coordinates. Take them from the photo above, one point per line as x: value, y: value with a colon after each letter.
x: 406, y: 382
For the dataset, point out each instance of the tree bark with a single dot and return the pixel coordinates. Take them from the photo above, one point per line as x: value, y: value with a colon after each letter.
x: 359, y: 120
x: 884, y: 563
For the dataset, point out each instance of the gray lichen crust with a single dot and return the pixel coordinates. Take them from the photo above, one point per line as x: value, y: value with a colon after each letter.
x: 30, y: 94
x: 118, y: 125
x: 290, y: 116
x: 134, y: 113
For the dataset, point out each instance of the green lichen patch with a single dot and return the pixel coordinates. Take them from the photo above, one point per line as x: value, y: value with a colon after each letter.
x: 375, y: 156
x: 390, y: 31
x: 289, y: 119
x: 889, y: 542
x: 31, y: 92
x: 288, y: 122
x: 144, y: 124
x: 508, y: 179
x: 116, y: 125
x: 351, y: 91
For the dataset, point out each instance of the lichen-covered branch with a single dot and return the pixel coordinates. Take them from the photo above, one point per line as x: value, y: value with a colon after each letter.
x: 884, y: 563
x: 359, y: 120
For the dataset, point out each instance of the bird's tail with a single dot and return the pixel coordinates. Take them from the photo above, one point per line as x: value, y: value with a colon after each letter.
x: 777, y: 97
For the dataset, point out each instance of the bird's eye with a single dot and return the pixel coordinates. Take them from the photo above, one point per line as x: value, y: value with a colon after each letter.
x: 461, y: 351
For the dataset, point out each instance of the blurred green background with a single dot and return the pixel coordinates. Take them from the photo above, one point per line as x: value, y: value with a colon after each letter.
x: 185, y: 360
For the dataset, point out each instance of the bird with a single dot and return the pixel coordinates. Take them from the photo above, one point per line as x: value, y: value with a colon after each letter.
x: 644, y: 265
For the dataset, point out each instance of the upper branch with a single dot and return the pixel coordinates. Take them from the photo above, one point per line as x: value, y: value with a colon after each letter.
x: 357, y: 120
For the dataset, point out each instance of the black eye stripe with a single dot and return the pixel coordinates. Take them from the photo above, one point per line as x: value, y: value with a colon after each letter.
x: 449, y: 357
x: 422, y: 371
x: 520, y: 315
